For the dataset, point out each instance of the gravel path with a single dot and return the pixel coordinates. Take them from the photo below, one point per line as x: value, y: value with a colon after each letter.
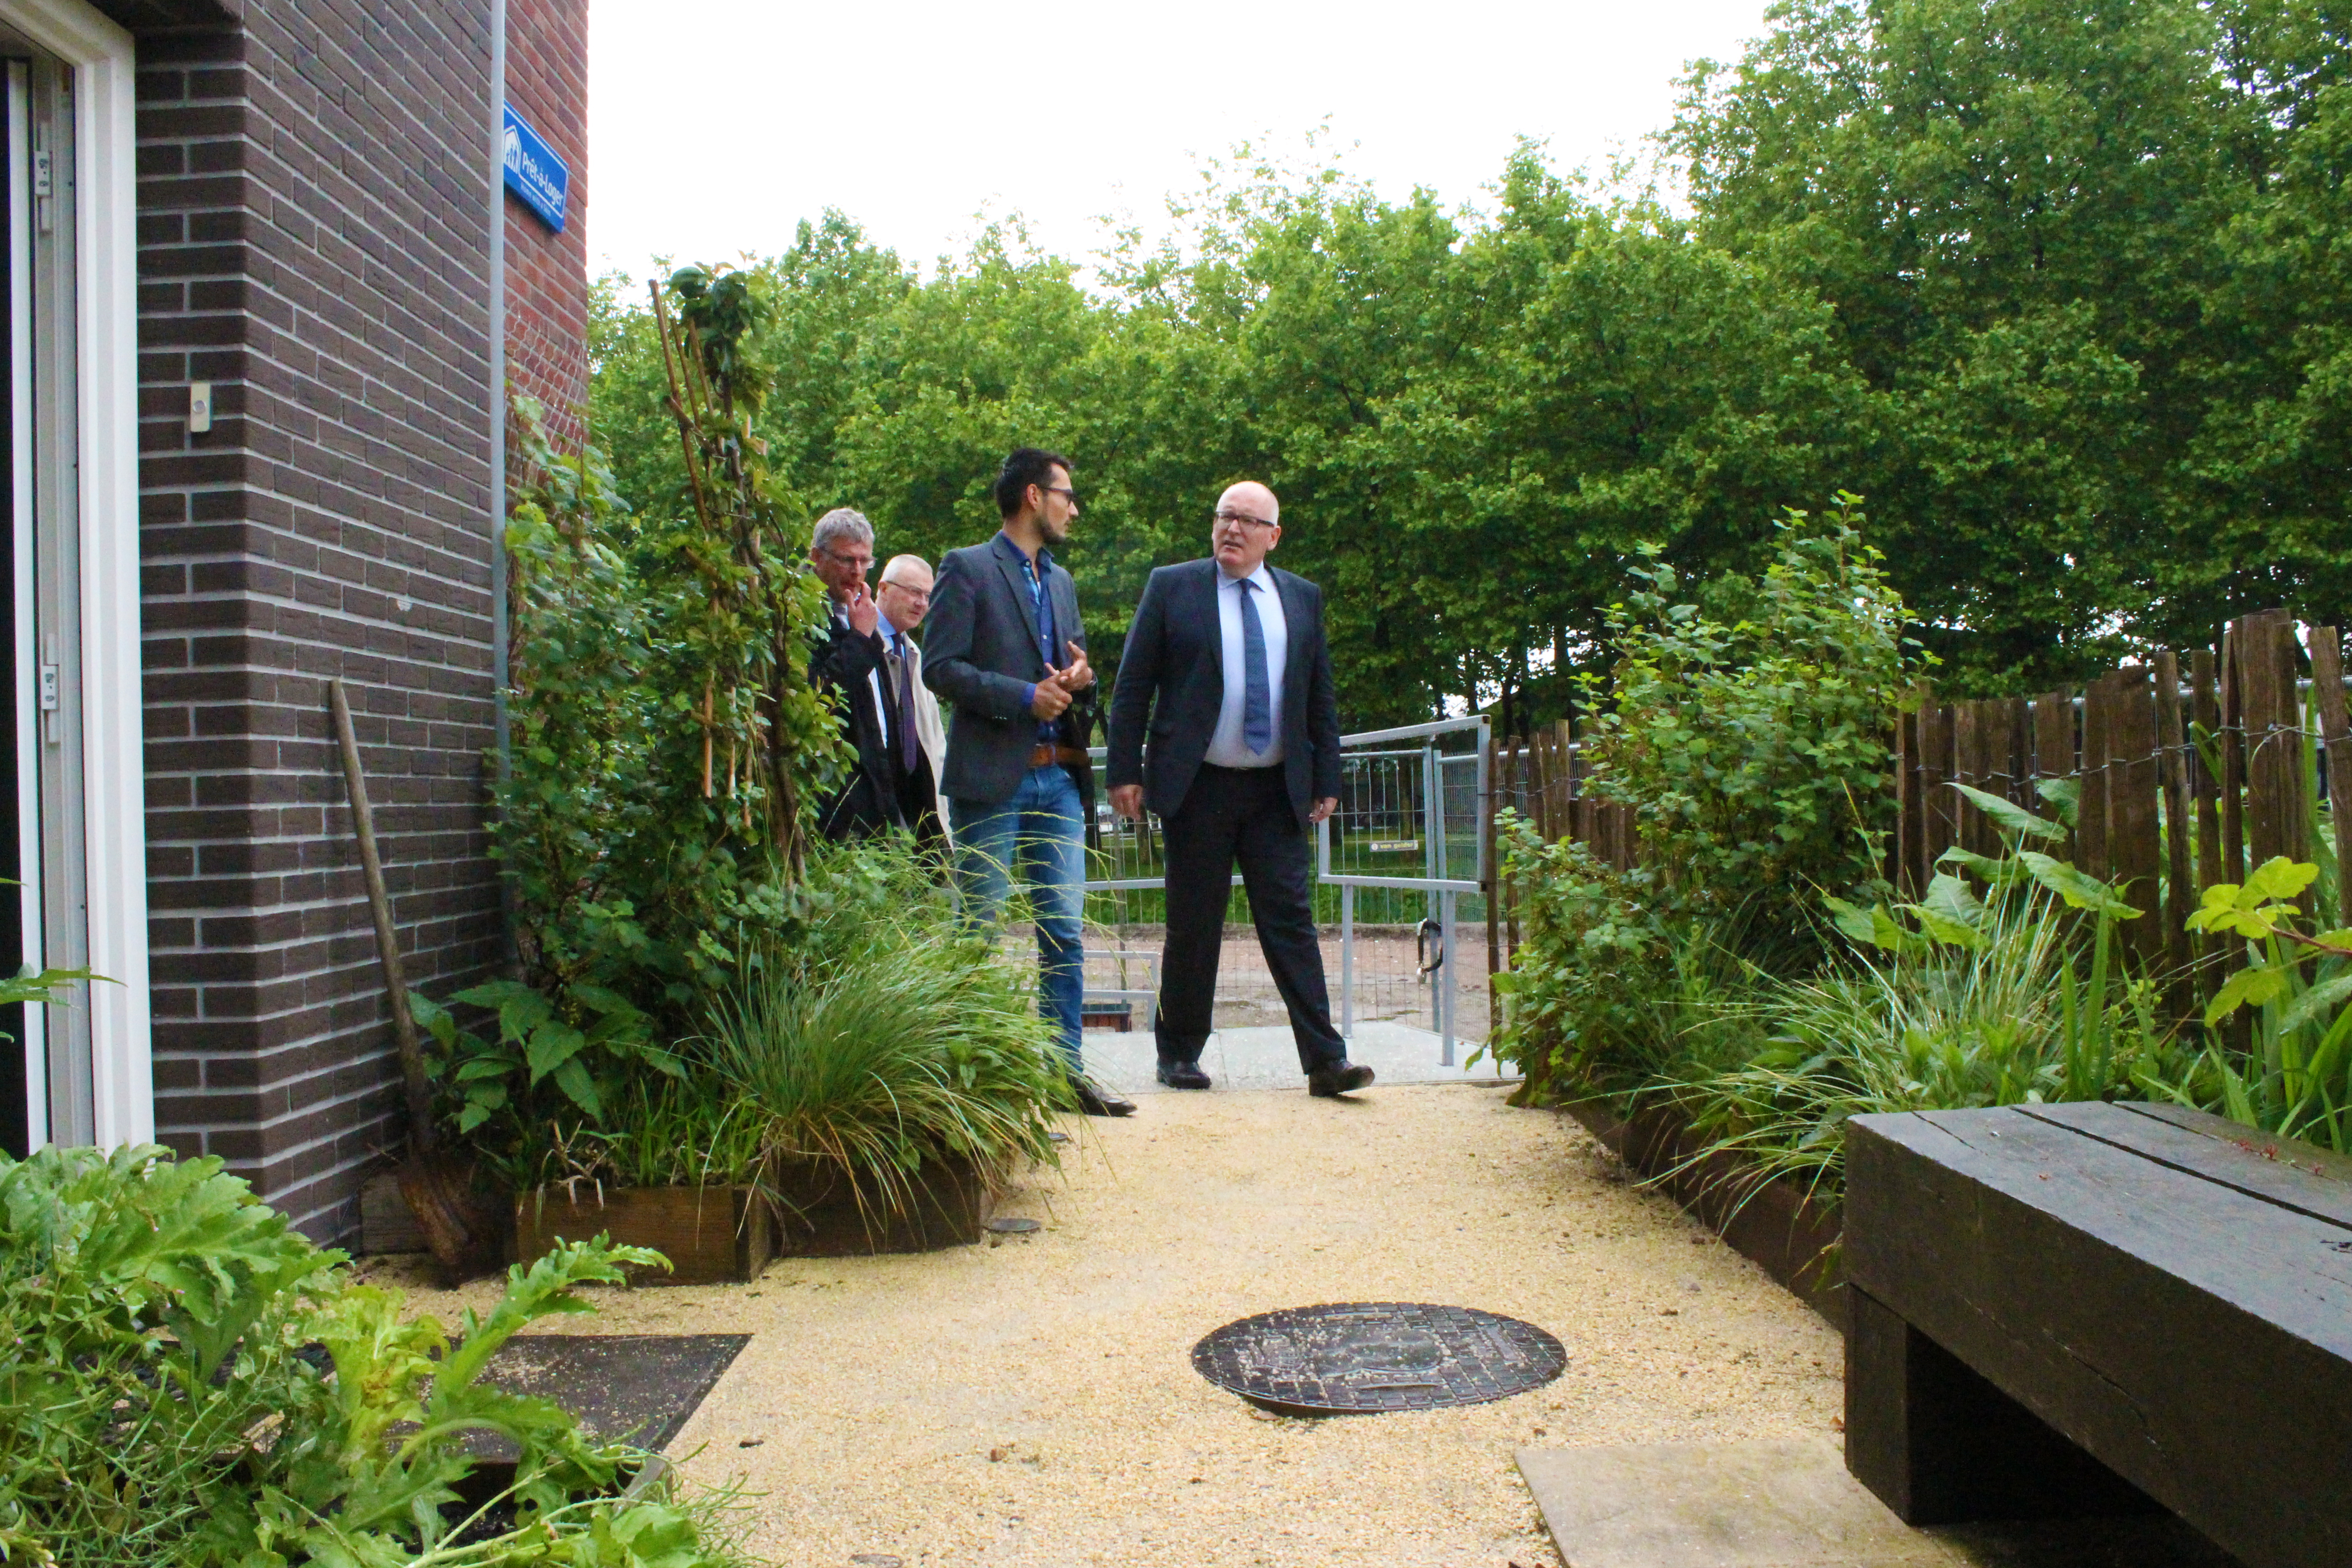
x: 1033, y: 1402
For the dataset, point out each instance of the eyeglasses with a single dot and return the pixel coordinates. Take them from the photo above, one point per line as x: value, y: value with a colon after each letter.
x: 1063, y: 490
x: 861, y: 562
x: 1245, y: 517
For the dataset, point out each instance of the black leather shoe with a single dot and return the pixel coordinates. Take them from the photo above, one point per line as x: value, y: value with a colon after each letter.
x: 1338, y: 1078
x: 1096, y: 1100
x: 1183, y: 1075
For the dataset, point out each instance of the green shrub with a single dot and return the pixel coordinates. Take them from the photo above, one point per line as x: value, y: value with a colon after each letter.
x: 1592, y: 958
x: 1750, y: 728
x: 162, y: 1400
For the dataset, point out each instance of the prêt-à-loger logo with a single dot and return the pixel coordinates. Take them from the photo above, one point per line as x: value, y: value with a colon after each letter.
x: 534, y: 173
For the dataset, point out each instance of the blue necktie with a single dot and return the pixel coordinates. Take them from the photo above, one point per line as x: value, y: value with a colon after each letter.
x: 1258, y: 697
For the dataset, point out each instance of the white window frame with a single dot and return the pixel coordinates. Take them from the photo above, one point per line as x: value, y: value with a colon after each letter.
x: 106, y: 309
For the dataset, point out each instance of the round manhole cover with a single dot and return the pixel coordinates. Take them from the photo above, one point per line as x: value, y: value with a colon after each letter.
x: 1368, y: 1356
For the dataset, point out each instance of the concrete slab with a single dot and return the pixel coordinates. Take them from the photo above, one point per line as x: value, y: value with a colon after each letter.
x: 1740, y: 1505
x: 1793, y: 1505
x: 1268, y: 1058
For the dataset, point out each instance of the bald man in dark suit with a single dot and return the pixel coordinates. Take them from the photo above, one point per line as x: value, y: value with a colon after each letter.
x: 1225, y: 723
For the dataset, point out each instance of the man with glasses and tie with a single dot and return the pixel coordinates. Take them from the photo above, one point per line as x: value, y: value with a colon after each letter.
x: 1225, y: 723
x: 920, y: 743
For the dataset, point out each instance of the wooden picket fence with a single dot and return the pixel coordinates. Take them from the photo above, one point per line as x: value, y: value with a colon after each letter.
x: 2191, y: 767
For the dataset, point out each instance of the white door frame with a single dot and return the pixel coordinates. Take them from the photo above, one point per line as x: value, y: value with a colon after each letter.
x: 106, y: 329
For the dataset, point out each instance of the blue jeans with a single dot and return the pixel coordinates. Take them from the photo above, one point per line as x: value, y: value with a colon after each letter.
x: 1040, y: 834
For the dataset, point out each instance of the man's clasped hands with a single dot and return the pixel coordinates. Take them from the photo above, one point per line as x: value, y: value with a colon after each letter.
x: 1054, y: 692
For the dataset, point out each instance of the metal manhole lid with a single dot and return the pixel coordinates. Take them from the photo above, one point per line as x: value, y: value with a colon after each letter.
x: 1368, y: 1356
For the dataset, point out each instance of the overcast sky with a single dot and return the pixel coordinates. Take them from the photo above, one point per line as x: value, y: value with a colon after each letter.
x: 714, y: 126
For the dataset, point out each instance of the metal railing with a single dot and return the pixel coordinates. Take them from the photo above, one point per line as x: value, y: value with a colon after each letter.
x: 1408, y: 832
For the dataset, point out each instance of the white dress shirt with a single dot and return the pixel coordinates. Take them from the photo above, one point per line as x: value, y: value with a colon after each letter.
x: 1226, y: 747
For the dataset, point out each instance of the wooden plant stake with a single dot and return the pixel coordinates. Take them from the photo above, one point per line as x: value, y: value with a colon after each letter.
x: 2053, y: 751
x: 2173, y: 767
x: 2206, y: 710
x: 2233, y: 754
x: 2336, y: 737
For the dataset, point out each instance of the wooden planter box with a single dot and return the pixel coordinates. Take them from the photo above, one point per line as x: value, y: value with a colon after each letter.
x: 1776, y: 1224
x: 821, y: 1218
x: 722, y: 1235
x: 711, y: 1235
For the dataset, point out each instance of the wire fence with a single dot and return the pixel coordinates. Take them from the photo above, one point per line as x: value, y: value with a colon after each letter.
x: 1410, y: 815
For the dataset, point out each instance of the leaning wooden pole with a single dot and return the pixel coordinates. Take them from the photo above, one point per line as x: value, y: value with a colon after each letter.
x: 387, y: 940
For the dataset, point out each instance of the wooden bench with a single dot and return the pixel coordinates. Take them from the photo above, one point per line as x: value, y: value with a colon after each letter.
x: 2070, y: 1309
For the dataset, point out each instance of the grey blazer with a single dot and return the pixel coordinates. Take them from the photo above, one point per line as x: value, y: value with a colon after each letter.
x: 1172, y: 681
x: 980, y: 654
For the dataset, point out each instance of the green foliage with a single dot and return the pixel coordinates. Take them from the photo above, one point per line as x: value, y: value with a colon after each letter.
x: 666, y: 740
x: 157, y: 1406
x: 665, y: 745
x: 1749, y: 734
x: 2294, y: 1074
x: 513, y: 1096
x: 888, y: 1034
x: 2018, y: 996
x: 2086, y: 257
x: 1579, y: 998
x: 2059, y: 284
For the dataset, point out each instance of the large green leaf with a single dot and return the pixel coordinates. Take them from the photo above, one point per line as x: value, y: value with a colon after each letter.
x: 2064, y: 796
x: 2247, y: 987
x: 2011, y: 817
x: 2079, y: 888
x: 552, y: 1044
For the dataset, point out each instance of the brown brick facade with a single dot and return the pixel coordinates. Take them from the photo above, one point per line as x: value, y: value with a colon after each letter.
x: 313, y: 211
x: 547, y: 273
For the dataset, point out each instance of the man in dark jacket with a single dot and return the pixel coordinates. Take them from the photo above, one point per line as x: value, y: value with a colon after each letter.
x: 849, y: 666
x: 1005, y: 652
x: 1225, y: 722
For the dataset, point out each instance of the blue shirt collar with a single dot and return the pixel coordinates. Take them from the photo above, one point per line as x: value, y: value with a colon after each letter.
x: 1044, y: 554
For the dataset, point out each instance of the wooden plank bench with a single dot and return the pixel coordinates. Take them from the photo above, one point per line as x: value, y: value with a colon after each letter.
x: 2069, y: 1309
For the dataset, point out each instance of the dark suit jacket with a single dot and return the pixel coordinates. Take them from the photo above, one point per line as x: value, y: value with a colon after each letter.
x: 867, y: 801
x: 980, y: 654
x: 1172, y: 681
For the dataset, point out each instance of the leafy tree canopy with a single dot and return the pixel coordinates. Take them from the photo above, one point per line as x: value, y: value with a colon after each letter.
x: 2061, y: 286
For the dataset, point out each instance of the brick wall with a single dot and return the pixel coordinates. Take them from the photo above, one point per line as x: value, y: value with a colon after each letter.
x: 313, y: 226
x: 547, y: 273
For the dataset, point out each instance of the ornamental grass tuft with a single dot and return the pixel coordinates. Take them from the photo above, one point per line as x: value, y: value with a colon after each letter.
x: 886, y: 1035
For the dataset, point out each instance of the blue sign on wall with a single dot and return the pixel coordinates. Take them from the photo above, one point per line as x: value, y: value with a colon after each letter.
x: 534, y: 173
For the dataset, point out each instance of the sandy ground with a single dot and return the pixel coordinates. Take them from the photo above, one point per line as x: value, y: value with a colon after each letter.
x: 1032, y: 1401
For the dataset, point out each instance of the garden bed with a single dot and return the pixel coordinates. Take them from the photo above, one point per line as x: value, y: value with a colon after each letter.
x: 1773, y: 1222
x: 949, y: 1204
x: 713, y: 1235
x: 722, y: 1234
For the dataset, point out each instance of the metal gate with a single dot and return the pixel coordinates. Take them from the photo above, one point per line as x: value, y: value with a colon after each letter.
x: 1398, y: 870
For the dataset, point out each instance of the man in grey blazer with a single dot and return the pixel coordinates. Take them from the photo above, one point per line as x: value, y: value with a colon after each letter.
x: 1225, y: 722
x: 1007, y: 653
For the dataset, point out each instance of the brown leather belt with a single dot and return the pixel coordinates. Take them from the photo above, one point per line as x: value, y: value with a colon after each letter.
x: 1041, y: 754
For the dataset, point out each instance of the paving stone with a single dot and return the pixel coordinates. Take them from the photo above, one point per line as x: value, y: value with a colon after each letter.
x: 1738, y: 1505
x: 1793, y: 1505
